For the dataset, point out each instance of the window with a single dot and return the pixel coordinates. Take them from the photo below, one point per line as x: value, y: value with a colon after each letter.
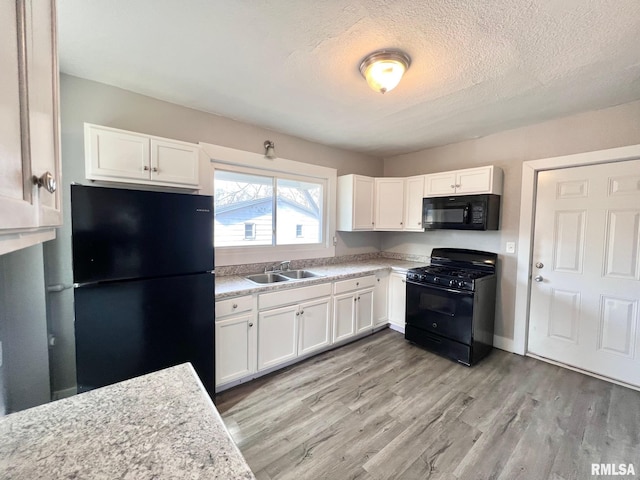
x: 268, y: 210
x: 290, y: 205
x: 249, y: 231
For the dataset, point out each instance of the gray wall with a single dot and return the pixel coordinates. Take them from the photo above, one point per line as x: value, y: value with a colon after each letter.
x: 597, y: 130
x: 87, y: 101
x: 24, y: 375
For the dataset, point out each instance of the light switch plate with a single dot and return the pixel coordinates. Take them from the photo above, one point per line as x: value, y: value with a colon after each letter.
x: 511, y: 247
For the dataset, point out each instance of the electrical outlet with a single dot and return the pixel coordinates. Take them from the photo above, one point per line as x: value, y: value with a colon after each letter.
x: 511, y: 247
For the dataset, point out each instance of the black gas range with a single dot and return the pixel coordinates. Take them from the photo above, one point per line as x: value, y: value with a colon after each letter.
x: 451, y: 304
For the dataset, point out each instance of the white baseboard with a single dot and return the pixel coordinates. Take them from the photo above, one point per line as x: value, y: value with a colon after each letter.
x: 503, y: 343
x: 397, y: 328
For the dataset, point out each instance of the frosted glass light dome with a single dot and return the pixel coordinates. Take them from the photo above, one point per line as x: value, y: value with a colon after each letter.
x: 384, y: 69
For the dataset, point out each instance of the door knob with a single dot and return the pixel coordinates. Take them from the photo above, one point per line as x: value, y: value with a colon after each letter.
x: 47, y: 181
x: 538, y: 278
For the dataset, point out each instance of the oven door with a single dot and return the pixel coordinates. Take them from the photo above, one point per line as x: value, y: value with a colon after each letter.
x: 440, y: 310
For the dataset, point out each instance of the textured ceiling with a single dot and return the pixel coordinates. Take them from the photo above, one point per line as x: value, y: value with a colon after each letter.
x: 478, y: 67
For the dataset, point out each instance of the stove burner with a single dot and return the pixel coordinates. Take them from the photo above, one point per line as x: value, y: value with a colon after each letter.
x: 460, y: 278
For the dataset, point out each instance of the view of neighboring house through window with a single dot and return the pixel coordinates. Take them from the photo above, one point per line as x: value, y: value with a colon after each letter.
x: 255, y: 209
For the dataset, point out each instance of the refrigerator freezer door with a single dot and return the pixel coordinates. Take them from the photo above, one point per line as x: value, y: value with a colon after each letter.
x: 127, y: 329
x: 125, y: 234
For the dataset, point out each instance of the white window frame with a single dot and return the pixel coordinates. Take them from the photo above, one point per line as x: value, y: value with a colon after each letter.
x: 240, y: 161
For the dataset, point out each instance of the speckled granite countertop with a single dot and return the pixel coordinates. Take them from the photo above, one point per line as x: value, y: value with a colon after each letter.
x: 234, y: 285
x: 158, y: 426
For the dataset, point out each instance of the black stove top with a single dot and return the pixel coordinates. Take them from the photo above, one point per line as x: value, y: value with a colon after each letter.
x: 455, y: 268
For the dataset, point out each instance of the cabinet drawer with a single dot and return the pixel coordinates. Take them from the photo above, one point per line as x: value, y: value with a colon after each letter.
x: 234, y: 305
x: 293, y: 296
x: 354, y: 284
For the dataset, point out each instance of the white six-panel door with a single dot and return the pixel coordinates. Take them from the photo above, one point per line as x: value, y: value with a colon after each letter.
x: 585, y: 297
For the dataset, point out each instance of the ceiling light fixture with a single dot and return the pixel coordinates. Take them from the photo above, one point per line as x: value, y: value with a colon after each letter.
x: 269, y: 149
x: 383, y: 69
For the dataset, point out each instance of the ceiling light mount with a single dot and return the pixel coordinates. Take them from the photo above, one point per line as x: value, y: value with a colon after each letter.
x: 383, y: 69
x: 269, y: 149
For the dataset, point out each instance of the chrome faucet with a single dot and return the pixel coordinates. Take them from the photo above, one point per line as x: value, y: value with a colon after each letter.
x: 280, y: 267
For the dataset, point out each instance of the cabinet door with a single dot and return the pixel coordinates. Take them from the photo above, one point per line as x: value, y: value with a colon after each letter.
x: 440, y: 184
x: 389, y: 197
x: 364, y: 311
x: 315, y: 325
x: 235, y: 348
x: 115, y: 155
x: 174, y: 162
x: 397, y: 299
x: 344, y: 312
x: 413, y: 195
x: 277, y: 336
x: 16, y: 207
x: 363, y: 188
x: 380, y: 296
x: 474, y: 180
x: 42, y: 81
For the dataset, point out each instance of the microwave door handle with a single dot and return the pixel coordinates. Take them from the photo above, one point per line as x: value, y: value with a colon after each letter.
x: 465, y: 214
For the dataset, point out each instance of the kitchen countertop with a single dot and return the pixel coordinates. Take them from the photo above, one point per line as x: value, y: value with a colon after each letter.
x: 234, y: 285
x: 161, y: 425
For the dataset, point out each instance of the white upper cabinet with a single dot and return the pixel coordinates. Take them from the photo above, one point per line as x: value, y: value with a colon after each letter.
x: 129, y: 157
x: 29, y: 125
x: 464, y: 182
x: 413, y: 194
x: 355, y: 203
x: 389, y: 202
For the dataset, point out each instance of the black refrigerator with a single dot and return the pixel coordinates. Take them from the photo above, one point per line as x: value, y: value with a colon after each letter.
x: 143, y: 272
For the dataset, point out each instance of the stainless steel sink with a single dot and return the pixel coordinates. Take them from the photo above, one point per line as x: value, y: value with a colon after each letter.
x: 298, y: 274
x: 267, y: 278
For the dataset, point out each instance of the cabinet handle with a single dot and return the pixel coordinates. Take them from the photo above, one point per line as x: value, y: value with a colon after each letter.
x: 419, y: 223
x: 145, y: 168
x: 302, y: 312
x: 297, y: 314
x: 357, y: 283
x: 458, y: 185
x: 154, y: 169
x: 355, y: 299
x: 400, y: 223
x: 47, y: 181
x: 251, y: 324
x: 404, y: 280
x: 378, y: 280
x: 452, y: 186
x: 235, y: 305
x: 358, y: 298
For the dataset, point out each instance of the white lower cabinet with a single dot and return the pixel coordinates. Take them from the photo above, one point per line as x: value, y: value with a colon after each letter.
x: 315, y: 325
x: 236, y: 339
x: 352, y: 307
x: 293, y: 322
x: 277, y: 336
x: 235, y: 348
x: 397, y: 299
x: 344, y: 316
x: 380, y: 298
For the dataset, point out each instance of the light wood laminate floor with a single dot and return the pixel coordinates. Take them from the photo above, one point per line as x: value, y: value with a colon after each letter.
x: 382, y: 408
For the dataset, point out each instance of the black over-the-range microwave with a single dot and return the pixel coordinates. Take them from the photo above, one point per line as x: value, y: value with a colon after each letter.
x: 464, y: 212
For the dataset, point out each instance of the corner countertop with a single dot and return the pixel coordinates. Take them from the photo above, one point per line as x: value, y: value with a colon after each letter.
x: 234, y: 285
x: 161, y: 425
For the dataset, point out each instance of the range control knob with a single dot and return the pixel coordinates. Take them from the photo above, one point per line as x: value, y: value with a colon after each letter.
x: 453, y: 283
x: 436, y: 279
x: 461, y: 283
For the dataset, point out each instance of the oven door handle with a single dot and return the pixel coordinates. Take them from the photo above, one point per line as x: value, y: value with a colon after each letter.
x: 447, y: 314
x: 442, y: 289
